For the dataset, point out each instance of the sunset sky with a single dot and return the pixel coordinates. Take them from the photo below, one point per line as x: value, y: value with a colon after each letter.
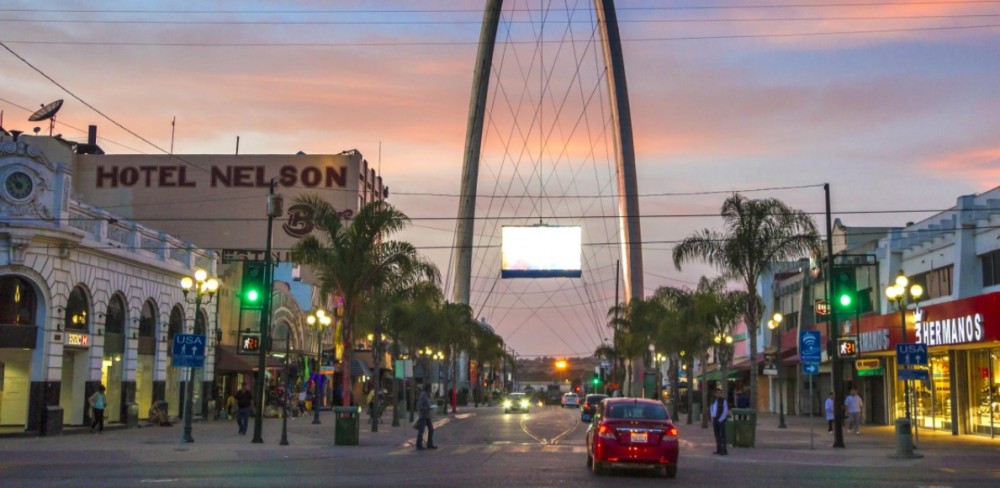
x: 896, y: 104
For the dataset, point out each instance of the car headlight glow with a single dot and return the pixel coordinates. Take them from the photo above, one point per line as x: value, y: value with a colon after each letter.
x: 524, y: 404
x: 506, y: 404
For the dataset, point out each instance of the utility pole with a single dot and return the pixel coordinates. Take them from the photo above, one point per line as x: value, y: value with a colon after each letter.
x: 273, y: 210
x: 834, y: 333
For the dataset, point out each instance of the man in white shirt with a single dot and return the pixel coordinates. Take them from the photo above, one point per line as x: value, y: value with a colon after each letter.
x: 829, y: 413
x: 720, y: 412
x: 854, y: 406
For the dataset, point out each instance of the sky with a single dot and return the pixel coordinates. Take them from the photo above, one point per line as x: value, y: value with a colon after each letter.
x: 893, y: 103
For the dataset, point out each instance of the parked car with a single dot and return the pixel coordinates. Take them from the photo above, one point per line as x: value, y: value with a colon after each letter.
x: 516, y: 402
x: 632, y: 432
x: 589, y: 406
x: 570, y: 400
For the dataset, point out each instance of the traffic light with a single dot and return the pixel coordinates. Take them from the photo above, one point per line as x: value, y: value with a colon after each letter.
x: 845, y: 290
x: 254, y: 281
x: 596, y: 380
x: 848, y: 348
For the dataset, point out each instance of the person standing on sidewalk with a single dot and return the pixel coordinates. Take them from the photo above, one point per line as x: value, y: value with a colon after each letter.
x: 720, y: 412
x: 854, y: 406
x: 424, y: 419
x: 829, y: 413
x: 97, y: 403
x: 244, y: 404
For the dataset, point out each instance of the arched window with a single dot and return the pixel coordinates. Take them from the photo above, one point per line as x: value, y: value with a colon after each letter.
x: 114, y: 322
x: 200, y: 321
x: 175, y: 326
x: 78, y: 310
x: 147, y: 320
x: 17, y: 301
x: 280, y: 337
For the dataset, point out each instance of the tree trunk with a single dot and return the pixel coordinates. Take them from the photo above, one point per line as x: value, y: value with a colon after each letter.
x: 690, y: 392
x: 704, y: 394
x: 752, y: 319
x: 345, y: 376
x: 674, y: 386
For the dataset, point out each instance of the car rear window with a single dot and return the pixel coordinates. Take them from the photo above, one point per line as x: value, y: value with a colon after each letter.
x: 637, y: 411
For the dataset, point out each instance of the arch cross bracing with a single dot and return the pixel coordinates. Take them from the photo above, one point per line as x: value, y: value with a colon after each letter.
x: 549, y: 140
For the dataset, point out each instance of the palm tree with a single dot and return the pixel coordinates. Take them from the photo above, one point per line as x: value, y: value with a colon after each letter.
x: 757, y: 233
x: 354, y: 260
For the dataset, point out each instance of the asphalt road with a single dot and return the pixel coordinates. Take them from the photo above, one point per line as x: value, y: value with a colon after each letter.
x: 485, y: 448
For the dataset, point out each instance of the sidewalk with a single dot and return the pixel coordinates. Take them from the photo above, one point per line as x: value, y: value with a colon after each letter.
x: 213, y: 441
x: 872, y: 447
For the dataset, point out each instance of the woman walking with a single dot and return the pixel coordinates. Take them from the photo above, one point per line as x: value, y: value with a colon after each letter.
x: 97, y: 403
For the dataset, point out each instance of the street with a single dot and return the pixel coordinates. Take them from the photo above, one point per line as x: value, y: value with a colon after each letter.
x: 479, y: 447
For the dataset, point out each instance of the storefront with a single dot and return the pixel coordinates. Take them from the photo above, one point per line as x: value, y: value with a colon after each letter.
x: 963, y: 364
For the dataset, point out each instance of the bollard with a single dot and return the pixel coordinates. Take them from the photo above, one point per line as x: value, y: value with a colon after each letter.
x: 904, y: 441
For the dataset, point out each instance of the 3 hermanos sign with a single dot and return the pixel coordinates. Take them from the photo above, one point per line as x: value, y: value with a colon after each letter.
x: 969, y: 320
x: 219, y: 201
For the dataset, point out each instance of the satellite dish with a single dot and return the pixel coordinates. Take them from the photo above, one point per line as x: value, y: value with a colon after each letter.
x: 47, y: 112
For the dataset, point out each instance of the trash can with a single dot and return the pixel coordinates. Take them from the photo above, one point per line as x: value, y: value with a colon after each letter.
x: 132, y: 420
x: 347, y: 426
x: 744, y: 427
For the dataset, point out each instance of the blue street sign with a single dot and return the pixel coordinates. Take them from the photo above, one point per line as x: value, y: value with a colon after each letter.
x: 911, y: 354
x: 189, y: 351
x: 810, y: 347
x: 913, y: 374
x: 810, y: 368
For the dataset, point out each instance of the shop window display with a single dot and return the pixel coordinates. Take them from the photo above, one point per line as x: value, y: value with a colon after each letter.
x: 984, y: 388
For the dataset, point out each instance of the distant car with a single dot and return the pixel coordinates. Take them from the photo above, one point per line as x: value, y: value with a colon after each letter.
x: 516, y: 402
x: 632, y: 432
x: 589, y: 406
x: 570, y: 400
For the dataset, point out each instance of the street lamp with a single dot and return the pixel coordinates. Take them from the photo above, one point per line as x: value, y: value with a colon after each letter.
x: 723, y: 344
x: 898, y: 296
x: 204, y: 289
x: 775, y: 325
x: 319, y: 320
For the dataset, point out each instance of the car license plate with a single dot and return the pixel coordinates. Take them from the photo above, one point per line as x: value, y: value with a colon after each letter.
x: 638, y: 437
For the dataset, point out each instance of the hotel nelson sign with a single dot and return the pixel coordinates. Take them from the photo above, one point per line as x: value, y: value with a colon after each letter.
x: 219, y: 202
x: 967, y: 321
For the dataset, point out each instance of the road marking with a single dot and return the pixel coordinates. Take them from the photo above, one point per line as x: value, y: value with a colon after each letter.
x: 169, y: 480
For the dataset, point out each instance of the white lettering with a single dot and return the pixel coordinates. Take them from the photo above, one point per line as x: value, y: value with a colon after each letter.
x: 978, y: 320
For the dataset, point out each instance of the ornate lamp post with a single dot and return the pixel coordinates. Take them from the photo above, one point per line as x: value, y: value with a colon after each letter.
x: 204, y: 289
x: 319, y: 320
x: 775, y: 325
x: 900, y: 297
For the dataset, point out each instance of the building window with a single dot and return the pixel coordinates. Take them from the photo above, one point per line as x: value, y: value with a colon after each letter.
x: 78, y: 310
x: 937, y: 283
x: 17, y: 301
x: 991, y: 268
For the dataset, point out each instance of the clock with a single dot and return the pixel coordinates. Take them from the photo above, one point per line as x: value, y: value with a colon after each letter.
x: 19, y: 185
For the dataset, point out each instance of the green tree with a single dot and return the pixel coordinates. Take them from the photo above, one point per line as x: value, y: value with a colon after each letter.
x: 354, y: 260
x: 757, y: 233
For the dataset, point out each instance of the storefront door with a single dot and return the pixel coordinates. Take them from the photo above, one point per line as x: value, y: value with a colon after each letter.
x: 984, y: 387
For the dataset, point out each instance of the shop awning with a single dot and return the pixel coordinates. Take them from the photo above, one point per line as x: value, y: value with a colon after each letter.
x: 228, y: 361
x: 716, y: 374
x: 359, y: 368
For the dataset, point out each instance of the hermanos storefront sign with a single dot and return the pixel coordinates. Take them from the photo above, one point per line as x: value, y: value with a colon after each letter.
x: 966, y: 321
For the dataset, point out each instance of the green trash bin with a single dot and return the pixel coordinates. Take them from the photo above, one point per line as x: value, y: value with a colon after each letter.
x: 347, y: 427
x: 744, y: 427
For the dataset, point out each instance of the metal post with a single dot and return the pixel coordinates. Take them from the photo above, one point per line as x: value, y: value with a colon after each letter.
x: 838, y: 372
x: 781, y: 386
x: 265, y: 321
x: 284, y: 401
x: 189, y: 402
x: 319, y: 364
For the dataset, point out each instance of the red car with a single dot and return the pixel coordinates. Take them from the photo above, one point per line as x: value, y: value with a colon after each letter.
x: 632, y: 432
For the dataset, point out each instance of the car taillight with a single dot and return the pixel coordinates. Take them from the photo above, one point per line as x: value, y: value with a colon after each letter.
x: 670, y: 434
x: 606, y: 432
x: 586, y: 406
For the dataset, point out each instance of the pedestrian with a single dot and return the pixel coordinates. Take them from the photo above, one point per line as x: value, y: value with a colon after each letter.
x: 424, y: 419
x: 97, y: 403
x: 743, y: 399
x: 854, y: 407
x: 244, y: 405
x: 720, y: 412
x: 829, y: 413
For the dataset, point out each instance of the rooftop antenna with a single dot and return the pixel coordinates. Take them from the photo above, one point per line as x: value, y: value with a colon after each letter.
x: 47, y: 112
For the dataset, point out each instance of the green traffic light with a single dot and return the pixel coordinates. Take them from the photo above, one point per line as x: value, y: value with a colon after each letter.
x: 845, y: 300
x: 252, y: 295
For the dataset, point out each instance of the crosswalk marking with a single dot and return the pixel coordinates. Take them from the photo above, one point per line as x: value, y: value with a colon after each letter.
x: 500, y: 448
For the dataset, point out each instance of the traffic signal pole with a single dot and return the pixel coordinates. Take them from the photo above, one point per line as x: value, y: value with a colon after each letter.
x: 833, y: 334
x: 265, y: 321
